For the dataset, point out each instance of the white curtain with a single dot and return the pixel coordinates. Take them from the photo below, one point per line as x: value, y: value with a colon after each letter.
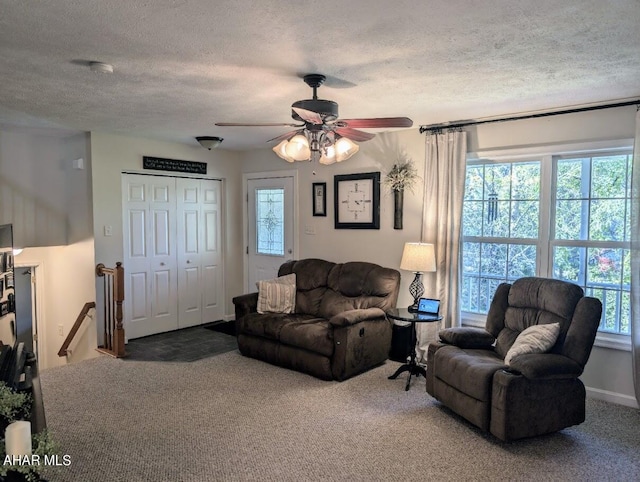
x: 635, y: 261
x: 445, y: 167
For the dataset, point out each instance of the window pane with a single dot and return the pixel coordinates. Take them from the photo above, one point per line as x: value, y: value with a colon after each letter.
x: 525, y: 180
x: 626, y: 269
x: 569, y: 216
x: 270, y: 221
x: 470, y: 276
x: 494, y: 260
x: 487, y: 289
x: 604, y: 274
x: 607, y: 221
x: 474, y: 183
x: 627, y: 223
x: 609, y: 177
x: 485, y: 267
x: 496, y: 219
x: 568, y: 264
x: 610, y: 305
x: 472, y: 218
x: 569, y: 179
x: 498, y: 181
x: 524, y: 219
x: 604, y: 267
x: 471, y: 258
x: 522, y: 261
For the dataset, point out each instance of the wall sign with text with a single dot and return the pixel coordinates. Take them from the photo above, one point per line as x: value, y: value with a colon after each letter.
x: 175, y: 165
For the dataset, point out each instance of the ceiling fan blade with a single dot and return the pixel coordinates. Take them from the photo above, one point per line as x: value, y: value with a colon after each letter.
x: 354, y: 134
x: 330, y: 80
x: 267, y: 124
x: 378, y: 122
x: 308, y: 115
x: 284, y: 136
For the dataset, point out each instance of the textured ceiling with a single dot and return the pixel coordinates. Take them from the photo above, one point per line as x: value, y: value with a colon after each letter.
x: 181, y: 66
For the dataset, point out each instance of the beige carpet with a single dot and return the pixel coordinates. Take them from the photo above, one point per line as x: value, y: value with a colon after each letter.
x: 233, y: 418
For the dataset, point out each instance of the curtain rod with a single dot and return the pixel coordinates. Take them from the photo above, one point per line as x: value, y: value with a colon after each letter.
x: 459, y: 124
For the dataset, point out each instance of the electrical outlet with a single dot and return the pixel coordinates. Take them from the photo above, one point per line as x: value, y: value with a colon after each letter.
x: 60, y: 330
x: 108, y: 230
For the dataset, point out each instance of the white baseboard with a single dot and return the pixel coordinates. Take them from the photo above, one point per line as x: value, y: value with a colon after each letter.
x: 613, y: 397
x: 229, y: 317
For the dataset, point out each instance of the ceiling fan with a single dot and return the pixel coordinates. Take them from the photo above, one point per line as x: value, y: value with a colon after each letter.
x: 321, y: 135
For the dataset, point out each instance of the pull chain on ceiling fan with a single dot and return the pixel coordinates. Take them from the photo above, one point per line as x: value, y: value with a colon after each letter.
x: 322, y: 136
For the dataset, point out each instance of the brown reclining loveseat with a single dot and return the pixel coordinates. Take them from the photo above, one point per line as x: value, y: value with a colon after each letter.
x: 338, y: 328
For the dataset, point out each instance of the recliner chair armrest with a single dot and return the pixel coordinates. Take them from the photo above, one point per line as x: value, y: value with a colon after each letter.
x: 351, y: 317
x: 245, y: 304
x: 545, y: 366
x: 467, y: 337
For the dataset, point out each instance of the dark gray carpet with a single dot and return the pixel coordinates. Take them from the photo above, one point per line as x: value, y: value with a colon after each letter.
x: 232, y: 418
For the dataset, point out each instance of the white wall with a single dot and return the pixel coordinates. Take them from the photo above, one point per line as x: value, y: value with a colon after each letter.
x: 111, y: 155
x: 608, y: 373
x: 383, y: 246
x: 49, y: 204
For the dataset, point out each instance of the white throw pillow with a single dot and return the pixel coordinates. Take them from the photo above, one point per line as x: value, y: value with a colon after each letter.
x: 535, y: 339
x: 277, y: 295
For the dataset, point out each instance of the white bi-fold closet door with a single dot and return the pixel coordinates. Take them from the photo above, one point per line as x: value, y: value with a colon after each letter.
x: 172, y: 253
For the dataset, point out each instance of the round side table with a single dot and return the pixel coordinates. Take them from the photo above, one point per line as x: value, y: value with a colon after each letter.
x: 403, y: 314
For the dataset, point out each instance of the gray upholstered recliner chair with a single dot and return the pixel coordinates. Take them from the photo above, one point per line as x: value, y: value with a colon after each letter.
x: 536, y: 393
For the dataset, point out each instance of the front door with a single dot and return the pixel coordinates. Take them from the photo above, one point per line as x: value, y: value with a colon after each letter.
x: 271, y: 227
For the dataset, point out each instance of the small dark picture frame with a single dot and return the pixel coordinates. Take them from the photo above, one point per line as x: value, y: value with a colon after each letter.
x: 319, y: 200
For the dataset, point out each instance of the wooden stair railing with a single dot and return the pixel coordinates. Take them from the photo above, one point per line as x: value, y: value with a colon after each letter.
x: 113, y: 335
x: 76, y: 326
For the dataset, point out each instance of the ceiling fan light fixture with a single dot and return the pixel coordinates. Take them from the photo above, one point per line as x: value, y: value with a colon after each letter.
x: 328, y: 156
x: 281, y: 152
x: 345, y: 148
x: 209, y: 142
x: 298, y: 148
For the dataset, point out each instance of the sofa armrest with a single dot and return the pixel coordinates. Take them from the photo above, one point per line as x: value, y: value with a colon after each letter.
x: 351, y: 317
x: 545, y: 366
x: 245, y: 304
x: 431, y: 355
x: 467, y: 337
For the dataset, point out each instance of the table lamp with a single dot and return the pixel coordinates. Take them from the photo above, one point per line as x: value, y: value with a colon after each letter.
x: 419, y: 258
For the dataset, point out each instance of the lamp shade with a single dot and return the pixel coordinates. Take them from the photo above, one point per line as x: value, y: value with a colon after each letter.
x: 418, y: 257
x: 328, y: 156
x: 345, y: 148
x: 298, y: 148
x: 280, y: 150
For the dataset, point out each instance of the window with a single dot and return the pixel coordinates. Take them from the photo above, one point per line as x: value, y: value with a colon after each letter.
x: 559, y: 216
x: 270, y: 224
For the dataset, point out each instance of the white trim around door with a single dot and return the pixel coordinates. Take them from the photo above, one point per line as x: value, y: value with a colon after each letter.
x: 268, y: 175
